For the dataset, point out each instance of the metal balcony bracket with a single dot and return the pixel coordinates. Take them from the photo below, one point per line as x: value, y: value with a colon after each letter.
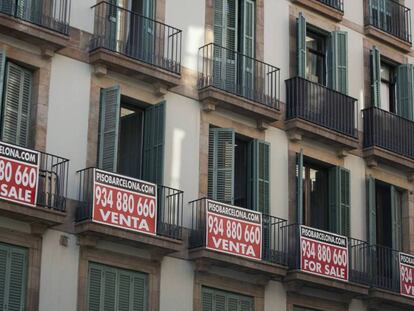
x: 100, y: 70
x: 294, y: 136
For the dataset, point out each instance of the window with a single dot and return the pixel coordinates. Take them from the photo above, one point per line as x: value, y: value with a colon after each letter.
x: 131, y: 136
x: 13, y: 276
x: 111, y: 288
x: 322, y: 57
x: 323, y: 195
x: 385, y: 203
x: 316, y: 57
x: 217, y: 300
x: 16, y: 97
x: 387, y: 86
x: 238, y: 170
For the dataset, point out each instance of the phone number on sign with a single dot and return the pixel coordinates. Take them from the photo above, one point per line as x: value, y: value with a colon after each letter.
x: 235, y: 237
x: 124, y: 209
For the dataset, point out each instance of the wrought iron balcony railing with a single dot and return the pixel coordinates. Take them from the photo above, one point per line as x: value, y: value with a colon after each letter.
x: 169, y: 206
x: 320, y: 105
x: 385, y: 268
x: 388, y: 131
x: 274, y: 247
x: 238, y: 74
x: 390, y: 17
x: 336, y: 4
x: 50, y: 14
x: 136, y: 36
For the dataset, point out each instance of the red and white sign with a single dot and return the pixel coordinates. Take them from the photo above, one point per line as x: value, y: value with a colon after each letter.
x: 233, y: 230
x: 124, y: 202
x: 406, y: 275
x: 19, y: 174
x: 324, y: 253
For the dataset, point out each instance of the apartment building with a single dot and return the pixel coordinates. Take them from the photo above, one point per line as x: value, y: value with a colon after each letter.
x: 206, y: 155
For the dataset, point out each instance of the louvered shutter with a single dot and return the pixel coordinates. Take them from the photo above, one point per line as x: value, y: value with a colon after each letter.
x: 232, y: 303
x: 154, y: 137
x: 13, y: 276
x: 149, y: 30
x: 396, y: 215
x: 259, y: 176
x: 299, y: 188
x: 221, y: 165
x: 301, y: 46
x: 124, y: 291
x: 248, y: 8
x: 339, y: 201
x: 8, y: 7
x: 405, y: 91
x: 338, y: 62
x: 95, y: 287
x: 207, y: 300
x: 376, y: 77
x: 17, y: 105
x: 109, y: 289
x: 219, y: 300
x: 246, y: 304
x: 372, y: 211
x: 109, y: 128
x: 2, y: 76
x: 139, y: 288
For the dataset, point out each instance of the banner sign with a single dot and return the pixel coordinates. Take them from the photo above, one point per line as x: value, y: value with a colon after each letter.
x: 19, y: 174
x: 324, y: 253
x: 124, y: 202
x: 406, y: 275
x: 233, y: 230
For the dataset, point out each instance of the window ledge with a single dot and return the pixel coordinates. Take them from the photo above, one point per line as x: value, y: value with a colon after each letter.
x: 321, y: 8
x: 387, y: 38
x: 298, y: 128
x: 32, y: 33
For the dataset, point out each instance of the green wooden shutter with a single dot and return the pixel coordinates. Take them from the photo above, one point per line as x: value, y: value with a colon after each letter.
x: 221, y: 165
x: 299, y: 187
x: 109, y: 128
x: 219, y: 300
x: 207, y: 300
x: 372, y: 211
x: 154, y: 139
x: 247, y: 70
x: 149, y: 30
x: 376, y: 77
x: 95, y: 287
x: 124, y: 291
x: 259, y: 176
x: 405, y: 91
x: 140, y: 292
x: 301, y: 46
x: 13, y: 276
x: 396, y: 215
x: 338, y: 61
x: 17, y: 105
x: 339, y: 200
x: 109, y: 289
x: 2, y: 76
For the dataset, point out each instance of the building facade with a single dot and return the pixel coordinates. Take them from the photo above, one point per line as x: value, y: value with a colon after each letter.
x: 132, y: 129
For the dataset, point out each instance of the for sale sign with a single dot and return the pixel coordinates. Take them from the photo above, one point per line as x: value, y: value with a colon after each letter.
x: 124, y: 202
x: 19, y: 174
x: 233, y: 230
x: 406, y: 275
x: 323, y: 253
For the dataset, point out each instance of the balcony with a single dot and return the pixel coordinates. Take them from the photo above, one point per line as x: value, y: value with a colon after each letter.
x: 388, y: 21
x: 44, y: 23
x: 299, y: 280
x: 131, y: 44
x: 388, y: 138
x: 238, y: 83
x: 333, y: 9
x: 48, y: 206
x: 167, y: 235
x: 269, y: 263
x: 320, y: 113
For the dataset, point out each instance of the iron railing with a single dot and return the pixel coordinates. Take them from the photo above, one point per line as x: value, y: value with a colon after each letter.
x: 388, y: 131
x: 50, y: 14
x: 274, y: 248
x: 336, y: 4
x: 136, y: 36
x: 320, y: 105
x: 385, y: 268
x: 169, y: 206
x: 390, y: 17
x: 238, y: 74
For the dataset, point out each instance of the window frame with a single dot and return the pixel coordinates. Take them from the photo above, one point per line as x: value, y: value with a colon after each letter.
x: 321, y: 37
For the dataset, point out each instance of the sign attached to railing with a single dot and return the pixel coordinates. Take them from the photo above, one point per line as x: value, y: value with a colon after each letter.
x: 324, y: 253
x: 124, y: 202
x: 19, y: 174
x: 233, y: 230
x: 406, y: 275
